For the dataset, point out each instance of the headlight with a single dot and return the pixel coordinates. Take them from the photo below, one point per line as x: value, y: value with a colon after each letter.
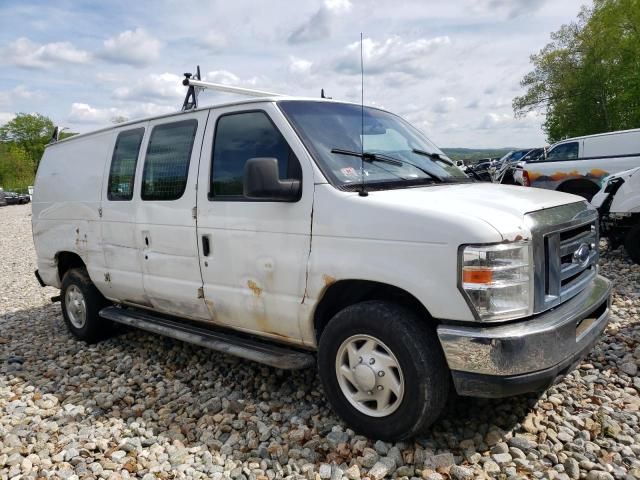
x: 497, y: 280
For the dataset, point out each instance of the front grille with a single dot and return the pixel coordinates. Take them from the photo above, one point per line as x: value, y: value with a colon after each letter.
x: 567, y: 271
x: 565, y: 245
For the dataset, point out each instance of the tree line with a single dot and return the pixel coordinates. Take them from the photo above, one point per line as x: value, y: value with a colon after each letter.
x: 587, y: 79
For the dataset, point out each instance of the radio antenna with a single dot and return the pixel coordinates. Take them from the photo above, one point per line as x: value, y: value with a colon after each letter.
x: 363, y: 191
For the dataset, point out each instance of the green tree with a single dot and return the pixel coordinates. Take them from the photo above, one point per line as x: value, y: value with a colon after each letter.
x: 16, y: 168
x: 31, y: 132
x: 587, y: 79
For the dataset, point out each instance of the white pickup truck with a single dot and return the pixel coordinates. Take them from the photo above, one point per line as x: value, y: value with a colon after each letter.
x: 296, y: 231
x: 579, y: 165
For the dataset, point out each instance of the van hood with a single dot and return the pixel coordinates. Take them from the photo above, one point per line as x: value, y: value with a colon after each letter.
x: 501, y: 206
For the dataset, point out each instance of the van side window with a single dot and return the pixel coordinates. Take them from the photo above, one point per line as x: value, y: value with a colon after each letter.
x: 566, y: 151
x: 239, y: 137
x: 123, y: 164
x: 166, y: 165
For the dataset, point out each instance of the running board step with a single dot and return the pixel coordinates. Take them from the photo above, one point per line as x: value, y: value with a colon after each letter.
x: 252, y: 349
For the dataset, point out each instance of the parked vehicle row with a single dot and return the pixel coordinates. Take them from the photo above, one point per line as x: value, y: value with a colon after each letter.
x: 279, y: 228
x: 13, y: 198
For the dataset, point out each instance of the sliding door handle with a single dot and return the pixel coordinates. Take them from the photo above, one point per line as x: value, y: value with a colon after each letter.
x: 206, y: 247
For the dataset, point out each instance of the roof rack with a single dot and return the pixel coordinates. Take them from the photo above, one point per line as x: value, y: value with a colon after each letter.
x: 196, y: 85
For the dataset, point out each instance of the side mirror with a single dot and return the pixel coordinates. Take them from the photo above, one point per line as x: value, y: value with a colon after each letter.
x: 261, y: 181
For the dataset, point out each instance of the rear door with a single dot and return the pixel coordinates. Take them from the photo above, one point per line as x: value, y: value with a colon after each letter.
x: 165, y: 219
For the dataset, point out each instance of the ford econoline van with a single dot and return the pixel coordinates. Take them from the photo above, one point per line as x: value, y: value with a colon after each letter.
x: 301, y: 232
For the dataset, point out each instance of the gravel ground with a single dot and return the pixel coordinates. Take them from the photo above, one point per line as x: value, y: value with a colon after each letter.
x: 138, y: 405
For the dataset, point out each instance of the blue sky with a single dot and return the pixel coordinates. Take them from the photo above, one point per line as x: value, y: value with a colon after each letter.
x: 451, y: 68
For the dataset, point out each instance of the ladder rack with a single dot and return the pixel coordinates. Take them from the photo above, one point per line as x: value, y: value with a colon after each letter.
x: 196, y: 85
x: 220, y: 87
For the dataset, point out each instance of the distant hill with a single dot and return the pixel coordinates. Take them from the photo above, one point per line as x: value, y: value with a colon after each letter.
x: 475, y: 153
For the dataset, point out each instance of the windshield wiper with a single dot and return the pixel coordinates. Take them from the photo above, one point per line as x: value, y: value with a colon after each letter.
x: 368, y: 156
x: 424, y: 153
x: 437, y: 156
x: 381, y: 157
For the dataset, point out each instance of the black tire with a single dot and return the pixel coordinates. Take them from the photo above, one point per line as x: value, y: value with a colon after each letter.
x: 584, y: 188
x: 94, y: 327
x: 632, y: 243
x: 426, y: 375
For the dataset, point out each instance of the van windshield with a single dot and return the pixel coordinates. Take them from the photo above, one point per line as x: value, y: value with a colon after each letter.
x: 396, y: 153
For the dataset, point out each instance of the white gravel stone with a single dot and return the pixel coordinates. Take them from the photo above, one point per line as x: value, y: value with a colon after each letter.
x: 139, y: 405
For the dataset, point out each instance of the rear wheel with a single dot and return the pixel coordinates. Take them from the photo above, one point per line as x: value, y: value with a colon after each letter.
x: 81, y: 302
x: 632, y: 243
x: 584, y: 188
x: 383, y: 370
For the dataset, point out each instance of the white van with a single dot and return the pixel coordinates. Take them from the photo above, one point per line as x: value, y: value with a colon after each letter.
x: 259, y: 228
x: 578, y: 165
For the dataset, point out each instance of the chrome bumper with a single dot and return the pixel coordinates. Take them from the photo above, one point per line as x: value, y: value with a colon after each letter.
x: 498, y: 361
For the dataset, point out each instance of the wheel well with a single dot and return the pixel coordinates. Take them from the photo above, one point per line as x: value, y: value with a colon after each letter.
x: 67, y: 261
x: 579, y: 186
x: 343, y: 293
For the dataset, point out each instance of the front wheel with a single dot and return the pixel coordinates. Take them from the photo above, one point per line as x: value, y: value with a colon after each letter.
x: 383, y: 370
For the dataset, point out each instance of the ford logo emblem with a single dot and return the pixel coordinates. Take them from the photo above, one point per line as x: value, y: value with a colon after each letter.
x: 581, y: 255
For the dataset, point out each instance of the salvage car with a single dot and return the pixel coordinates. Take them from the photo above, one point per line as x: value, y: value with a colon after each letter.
x: 578, y: 165
x: 299, y: 232
x: 618, y: 202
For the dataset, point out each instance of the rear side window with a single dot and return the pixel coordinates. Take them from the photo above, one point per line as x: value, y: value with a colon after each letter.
x: 167, y: 162
x: 566, y: 151
x: 123, y: 164
x: 239, y: 137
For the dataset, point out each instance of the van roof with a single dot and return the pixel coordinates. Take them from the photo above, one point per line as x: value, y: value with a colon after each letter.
x: 204, y: 107
x: 617, y: 132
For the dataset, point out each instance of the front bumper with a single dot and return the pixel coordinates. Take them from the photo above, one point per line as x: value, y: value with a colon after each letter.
x: 529, y: 355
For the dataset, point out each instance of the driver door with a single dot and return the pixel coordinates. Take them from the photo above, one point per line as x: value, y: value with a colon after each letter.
x: 253, y: 253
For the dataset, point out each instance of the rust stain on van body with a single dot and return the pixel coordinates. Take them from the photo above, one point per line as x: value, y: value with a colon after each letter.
x: 328, y: 279
x: 253, y: 286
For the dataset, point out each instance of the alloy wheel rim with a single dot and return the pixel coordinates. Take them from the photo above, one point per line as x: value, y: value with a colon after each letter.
x: 369, y: 375
x: 76, y: 306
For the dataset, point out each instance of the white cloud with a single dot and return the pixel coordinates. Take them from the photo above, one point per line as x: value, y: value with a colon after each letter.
x: 83, y: 113
x: 510, y: 8
x: 483, y: 43
x: 338, y: 6
x: 222, y: 76
x: 152, y: 87
x: 27, y: 54
x: 299, y: 66
x: 393, y: 55
x: 133, y: 47
x: 494, y: 120
x: 213, y: 41
x: 318, y: 26
x: 6, y: 117
x: 445, y: 104
x: 19, y: 92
